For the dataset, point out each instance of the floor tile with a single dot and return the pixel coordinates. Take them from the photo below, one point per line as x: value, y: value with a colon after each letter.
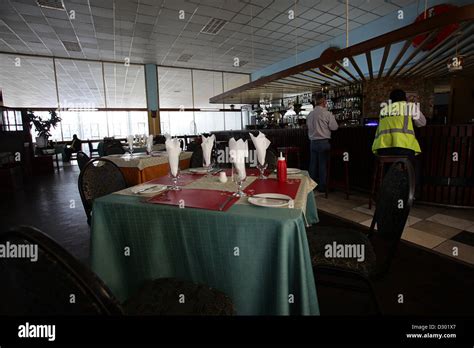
x: 465, y: 252
x: 368, y: 223
x: 412, y: 220
x: 436, y: 229
x: 330, y: 207
x: 424, y: 239
x: 465, y: 238
x: 450, y: 221
x: 466, y: 214
x: 365, y: 209
x: 353, y: 215
x: 424, y: 212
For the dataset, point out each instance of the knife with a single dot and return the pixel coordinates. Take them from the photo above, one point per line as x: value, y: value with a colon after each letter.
x: 222, y: 206
x: 146, y: 189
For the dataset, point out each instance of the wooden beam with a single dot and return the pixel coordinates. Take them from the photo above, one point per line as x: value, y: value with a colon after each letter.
x: 369, y: 64
x: 313, y: 77
x: 458, y: 15
x: 386, y: 52
x: 319, y: 73
x: 415, y: 52
x: 399, y: 56
x: 341, y: 66
x: 439, y: 49
x: 337, y: 74
x: 353, y: 62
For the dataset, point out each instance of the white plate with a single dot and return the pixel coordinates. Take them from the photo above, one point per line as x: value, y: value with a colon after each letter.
x: 290, y: 171
x: 152, y: 188
x: 200, y: 170
x: 262, y: 201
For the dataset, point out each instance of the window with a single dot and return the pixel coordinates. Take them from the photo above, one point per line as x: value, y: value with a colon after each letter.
x: 206, y: 84
x: 11, y: 121
x: 175, y: 88
x: 177, y: 122
x: 27, y: 81
x: 93, y: 125
x: 233, y: 120
x: 80, y: 84
x: 125, y: 85
x: 209, y: 121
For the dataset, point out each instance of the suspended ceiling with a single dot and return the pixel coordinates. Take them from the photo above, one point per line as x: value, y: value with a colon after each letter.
x: 258, y: 32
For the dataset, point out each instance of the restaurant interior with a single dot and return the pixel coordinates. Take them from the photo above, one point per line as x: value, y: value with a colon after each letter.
x: 156, y: 157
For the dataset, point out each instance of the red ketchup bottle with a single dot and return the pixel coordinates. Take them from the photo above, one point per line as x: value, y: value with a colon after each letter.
x: 281, y: 168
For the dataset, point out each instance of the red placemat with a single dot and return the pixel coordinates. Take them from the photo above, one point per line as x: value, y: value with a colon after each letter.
x: 184, y: 179
x: 289, y: 188
x: 196, y: 198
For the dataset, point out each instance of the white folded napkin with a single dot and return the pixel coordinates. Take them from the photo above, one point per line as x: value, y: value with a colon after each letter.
x: 207, y: 144
x: 238, y: 151
x: 173, y: 150
x: 130, y: 141
x: 261, y: 144
x: 149, y: 143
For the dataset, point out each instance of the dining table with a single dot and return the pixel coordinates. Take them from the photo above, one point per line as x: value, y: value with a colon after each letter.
x: 257, y: 255
x: 139, y: 167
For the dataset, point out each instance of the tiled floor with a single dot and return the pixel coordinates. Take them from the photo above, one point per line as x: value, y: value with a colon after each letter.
x: 447, y: 231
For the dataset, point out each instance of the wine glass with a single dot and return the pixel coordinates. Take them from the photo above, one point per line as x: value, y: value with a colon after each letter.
x: 238, y: 180
x: 174, y: 180
x: 261, y: 168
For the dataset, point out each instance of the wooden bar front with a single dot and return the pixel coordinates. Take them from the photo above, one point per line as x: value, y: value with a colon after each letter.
x: 446, y: 163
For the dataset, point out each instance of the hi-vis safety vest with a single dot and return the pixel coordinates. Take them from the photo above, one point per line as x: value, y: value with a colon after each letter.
x: 396, y: 128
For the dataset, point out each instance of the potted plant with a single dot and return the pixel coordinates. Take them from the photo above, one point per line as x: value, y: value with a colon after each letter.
x: 43, y: 127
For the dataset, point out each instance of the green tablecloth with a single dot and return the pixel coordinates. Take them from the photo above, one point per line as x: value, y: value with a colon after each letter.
x: 258, y: 256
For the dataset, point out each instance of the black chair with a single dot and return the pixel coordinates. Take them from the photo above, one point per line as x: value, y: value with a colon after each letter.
x: 344, y: 292
x: 82, y: 160
x: 58, y: 284
x: 391, y: 213
x: 98, y: 178
x: 271, y: 159
x: 55, y: 284
x: 93, y: 152
x: 113, y: 147
x: 196, y: 158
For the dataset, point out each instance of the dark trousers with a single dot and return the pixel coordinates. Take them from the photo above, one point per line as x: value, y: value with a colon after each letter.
x: 319, y: 154
x: 399, y: 151
x: 67, y: 152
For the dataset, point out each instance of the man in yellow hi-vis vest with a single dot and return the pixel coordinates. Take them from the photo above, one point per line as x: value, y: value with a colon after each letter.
x: 395, y: 135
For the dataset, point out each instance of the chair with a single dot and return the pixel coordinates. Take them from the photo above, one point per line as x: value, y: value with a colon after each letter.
x: 344, y: 292
x: 337, y: 154
x: 45, y: 287
x: 98, y: 178
x: 380, y: 163
x: 391, y: 213
x: 197, y: 158
x: 113, y: 147
x: 92, y: 151
x: 82, y: 160
x: 271, y: 160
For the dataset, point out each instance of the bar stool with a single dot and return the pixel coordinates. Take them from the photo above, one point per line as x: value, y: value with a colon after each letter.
x: 291, y: 149
x: 380, y: 162
x: 337, y: 154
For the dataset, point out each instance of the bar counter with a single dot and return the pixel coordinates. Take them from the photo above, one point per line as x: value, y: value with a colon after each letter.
x: 446, y: 162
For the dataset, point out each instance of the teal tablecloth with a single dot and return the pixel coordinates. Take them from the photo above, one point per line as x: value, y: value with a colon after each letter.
x: 258, y: 256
